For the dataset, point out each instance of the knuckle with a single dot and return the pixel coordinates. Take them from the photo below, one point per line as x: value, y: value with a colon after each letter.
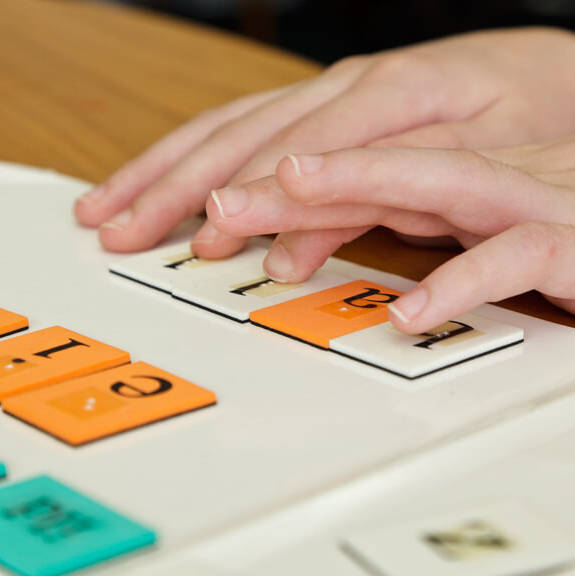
x: 406, y: 66
x: 546, y: 246
x: 539, y: 239
x: 473, y: 167
x: 476, y: 269
x: 347, y: 64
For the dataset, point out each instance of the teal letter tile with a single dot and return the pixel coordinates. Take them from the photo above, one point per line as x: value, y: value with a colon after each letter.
x: 48, y: 529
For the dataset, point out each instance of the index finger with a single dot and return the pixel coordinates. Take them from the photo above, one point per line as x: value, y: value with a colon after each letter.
x: 470, y: 191
x: 529, y: 256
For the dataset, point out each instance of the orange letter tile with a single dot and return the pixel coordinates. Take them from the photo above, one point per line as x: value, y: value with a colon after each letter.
x: 52, y: 355
x: 320, y: 317
x: 11, y: 322
x: 106, y: 403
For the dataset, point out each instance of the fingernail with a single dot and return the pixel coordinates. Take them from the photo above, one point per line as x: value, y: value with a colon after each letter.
x: 94, y: 194
x: 306, y: 163
x: 295, y: 162
x: 120, y: 221
x: 230, y: 201
x: 207, y: 234
x: 279, y: 263
x: 409, y: 305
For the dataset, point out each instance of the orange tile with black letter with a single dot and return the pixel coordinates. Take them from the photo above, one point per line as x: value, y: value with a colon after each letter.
x: 320, y: 317
x: 50, y: 356
x: 10, y: 322
x: 90, y: 408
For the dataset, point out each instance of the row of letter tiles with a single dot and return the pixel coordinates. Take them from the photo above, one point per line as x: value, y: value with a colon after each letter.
x: 50, y: 356
x: 107, y: 403
x: 352, y: 320
x: 10, y: 322
x: 49, y: 529
x: 167, y: 267
x: 327, y: 311
x: 322, y: 316
x: 234, y: 287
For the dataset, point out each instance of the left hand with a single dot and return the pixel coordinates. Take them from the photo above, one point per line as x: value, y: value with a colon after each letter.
x: 477, y: 90
x: 513, y: 209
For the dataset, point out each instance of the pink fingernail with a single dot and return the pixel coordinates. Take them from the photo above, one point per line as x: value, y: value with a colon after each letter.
x: 306, y: 163
x: 207, y: 234
x: 410, y: 305
x: 94, y: 194
x: 230, y: 201
x: 120, y: 221
x: 279, y: 263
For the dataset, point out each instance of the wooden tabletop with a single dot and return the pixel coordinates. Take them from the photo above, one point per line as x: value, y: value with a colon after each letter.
x: 86, y: 86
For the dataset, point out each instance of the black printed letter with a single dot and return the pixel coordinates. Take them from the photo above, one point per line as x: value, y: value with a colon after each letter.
x: 71, y: 344
x: 367, y: 296
x: 130, y: 391
x: 444, y: 335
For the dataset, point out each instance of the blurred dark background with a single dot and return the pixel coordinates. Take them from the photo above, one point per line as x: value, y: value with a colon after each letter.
x: 328, y: 30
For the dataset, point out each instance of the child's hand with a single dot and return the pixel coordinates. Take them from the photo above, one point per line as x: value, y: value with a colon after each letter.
x: 512, y: 208
x: 479, y: 90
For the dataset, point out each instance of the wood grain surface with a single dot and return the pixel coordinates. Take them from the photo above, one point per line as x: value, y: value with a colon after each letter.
x: 86, y: 86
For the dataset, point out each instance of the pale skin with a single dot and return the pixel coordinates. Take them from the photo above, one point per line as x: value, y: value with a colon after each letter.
x: 469, y: 104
